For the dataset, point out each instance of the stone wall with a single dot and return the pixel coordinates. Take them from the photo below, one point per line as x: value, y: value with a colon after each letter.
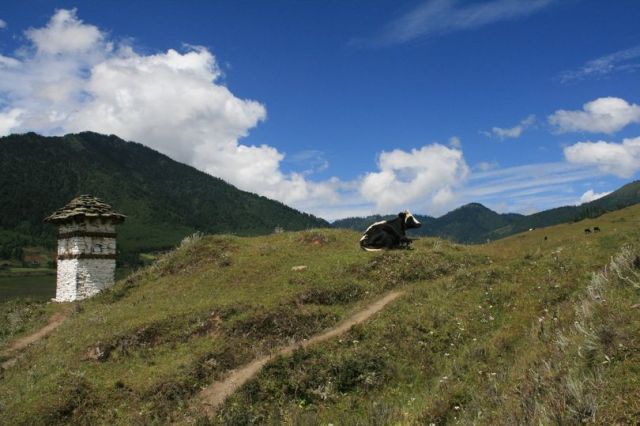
x: 90, y: 226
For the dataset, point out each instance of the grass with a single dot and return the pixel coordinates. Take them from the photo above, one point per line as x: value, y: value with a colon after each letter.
x: 516, y: 331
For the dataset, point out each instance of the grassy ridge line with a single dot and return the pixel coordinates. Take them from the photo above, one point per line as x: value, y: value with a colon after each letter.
x: 138, y: 352
x: 493, y: 343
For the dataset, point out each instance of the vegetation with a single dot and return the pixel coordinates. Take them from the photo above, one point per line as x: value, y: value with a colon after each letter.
x: 165, y: 200
x: 527, y: 329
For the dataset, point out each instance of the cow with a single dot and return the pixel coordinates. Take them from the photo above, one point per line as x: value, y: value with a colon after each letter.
x: 587, y: 231
x: 389, y: 234
x: 596, y: 229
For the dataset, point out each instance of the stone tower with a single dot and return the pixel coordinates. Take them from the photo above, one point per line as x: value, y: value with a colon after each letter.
x: 86, y: 247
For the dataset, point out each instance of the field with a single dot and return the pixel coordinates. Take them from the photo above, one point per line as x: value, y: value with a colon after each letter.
x: 31, y: 285
x: 525, y: 330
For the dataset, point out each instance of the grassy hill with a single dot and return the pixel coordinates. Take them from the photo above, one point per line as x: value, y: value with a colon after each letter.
x: 475, y: 223
x: 525, y: 330
x: 164, y: 200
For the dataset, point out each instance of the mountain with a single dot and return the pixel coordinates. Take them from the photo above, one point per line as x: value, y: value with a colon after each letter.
x: 163, y: 199
x: 469, y: 223
x: 475, y: 223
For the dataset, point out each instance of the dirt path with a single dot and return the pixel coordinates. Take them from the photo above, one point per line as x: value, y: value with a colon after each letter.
x: 55, y: 320
x: 214, y: 395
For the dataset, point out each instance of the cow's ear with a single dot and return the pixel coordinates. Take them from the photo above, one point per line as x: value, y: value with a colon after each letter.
x: 402, y: 215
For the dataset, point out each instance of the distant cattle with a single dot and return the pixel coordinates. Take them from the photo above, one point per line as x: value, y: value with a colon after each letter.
x: 596, y: 229
x: 587, y: 231
x: 389, y: 234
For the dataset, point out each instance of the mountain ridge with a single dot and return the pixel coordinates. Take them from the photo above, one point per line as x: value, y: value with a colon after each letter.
x: 476, y: 223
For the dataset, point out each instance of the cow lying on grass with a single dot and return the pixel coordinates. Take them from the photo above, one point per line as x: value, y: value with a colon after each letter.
x: 389, y: 234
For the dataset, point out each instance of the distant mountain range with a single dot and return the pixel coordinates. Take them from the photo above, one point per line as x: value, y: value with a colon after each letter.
x: 163, y: 199
x: 475, y: 223
x: 166, y: 200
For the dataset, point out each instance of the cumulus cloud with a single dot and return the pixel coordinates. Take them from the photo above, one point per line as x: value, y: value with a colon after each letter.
x: 427, y: 175
x: 9, y: 120
x: 434, y: 17
x: 620, y: 159
x: 71, y: 77
x: 590, y: 195
x: 64, y: 33
x: 620, y: 61
x: 603, y: 115
x: 512, y: 132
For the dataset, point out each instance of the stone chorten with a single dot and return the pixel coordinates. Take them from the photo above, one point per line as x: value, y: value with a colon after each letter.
x: 86, y: 247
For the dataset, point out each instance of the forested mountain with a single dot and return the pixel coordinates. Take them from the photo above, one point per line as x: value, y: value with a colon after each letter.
x: 474, y: 223
x: 163, y: 199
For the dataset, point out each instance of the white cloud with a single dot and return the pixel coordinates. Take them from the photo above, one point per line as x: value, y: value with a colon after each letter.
x: 426, y: 176
x: 64, y: 33
x: 528, y: 188
x: 620, y: 159
x: 513, y: 132
x: 310, y: 161
x: 603, y: 115
x: 434, y: 17
x: 591, y: 196
x: 9, y: 120
x: 485, y: 166
x: 72, y: 78
x: 605, y: 65
x: 3, y: 24
x: 455, y: 142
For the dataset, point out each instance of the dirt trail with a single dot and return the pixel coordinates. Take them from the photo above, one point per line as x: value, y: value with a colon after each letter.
x: 214, y: 395
x: 55, y: 320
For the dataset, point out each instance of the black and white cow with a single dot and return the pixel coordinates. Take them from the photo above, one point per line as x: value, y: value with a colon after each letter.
x: 389, y: 234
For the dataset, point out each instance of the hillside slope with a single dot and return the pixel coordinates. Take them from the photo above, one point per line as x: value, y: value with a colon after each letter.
x: 163, y: 199
x: 525, y: 330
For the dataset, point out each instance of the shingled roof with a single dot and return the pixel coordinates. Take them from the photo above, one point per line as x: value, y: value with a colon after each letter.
x: 85, y: 206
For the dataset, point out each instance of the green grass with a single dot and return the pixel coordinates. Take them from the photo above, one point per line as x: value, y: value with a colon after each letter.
x: 516, y: 331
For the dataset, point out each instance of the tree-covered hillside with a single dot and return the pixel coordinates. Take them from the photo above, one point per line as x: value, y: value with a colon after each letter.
x: 163, y: 199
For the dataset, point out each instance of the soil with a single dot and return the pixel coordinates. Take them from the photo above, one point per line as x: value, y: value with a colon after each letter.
x: 214, y: 395
x: 21, y: 343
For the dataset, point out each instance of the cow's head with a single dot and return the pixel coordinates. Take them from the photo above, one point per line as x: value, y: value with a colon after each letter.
x: 409, y: 220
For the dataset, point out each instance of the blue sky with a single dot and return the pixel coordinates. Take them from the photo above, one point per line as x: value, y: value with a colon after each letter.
x: 344, y: 108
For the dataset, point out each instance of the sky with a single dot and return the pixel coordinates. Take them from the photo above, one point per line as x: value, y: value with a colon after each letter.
x: 345, y: 108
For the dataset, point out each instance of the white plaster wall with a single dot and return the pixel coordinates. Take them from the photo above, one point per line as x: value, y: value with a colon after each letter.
x: 82, y: 278
x: 94, y: 275
x: 66, y: 280
x: 86, y: 245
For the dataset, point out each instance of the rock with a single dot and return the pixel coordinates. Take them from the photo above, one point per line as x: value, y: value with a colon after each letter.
x: 299, y: 268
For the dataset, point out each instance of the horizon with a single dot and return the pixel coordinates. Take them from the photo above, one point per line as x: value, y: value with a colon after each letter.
x: 346, y: 110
